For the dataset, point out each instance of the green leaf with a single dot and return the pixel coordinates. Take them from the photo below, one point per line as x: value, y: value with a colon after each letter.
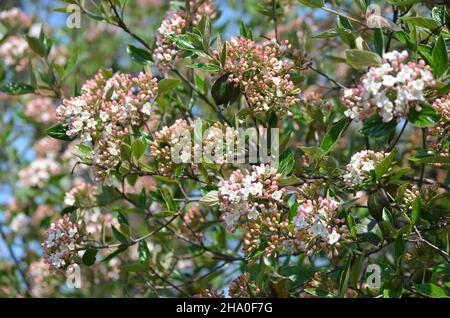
x: 16, y: 89
x: 139, y: 55
x: 360, y: 59
x: 415, y: 214
x: 167, y: 85
x: 37, y: 46
x: 119, y: 236
x: 114, y: 254
x: 245, y: 31
x: 426, y: 117
x: 208, y: 67
x: 293, y: 211
x: 333, y: 135
x: 138, y: 147
x: 332, y: 33
x: 431, y: 290
x: 286, y: 163
x: 430, y: 159
x: 134, y: 268
x: 58, y: 131
x: 211, y: 199
x: 422, y: 22
x: 223, y: 92
x: 188, y: 41
x: 399, y: 249
x: 384, y: 166
x: 376, y: 128
x: 312, y: 3
x: 378, y: 41
x: 376, y: 202
x: 89, y: 257
x: 440, y: 57
x: 144, y: 253
x: 403, y: 2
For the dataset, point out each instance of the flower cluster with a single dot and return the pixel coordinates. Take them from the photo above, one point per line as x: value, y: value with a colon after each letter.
x: 174, y: 140
x: 15, y: 17
x: 263, y: 73
x: 219, y: 143
x: 47, y: 147
x: 193, y: 221
x: 360, y: 166
x: 389, y: 90
x: 105, y: 113
x: 40, y: 109
x: 19, y: 224
x: 166, y: 51
x: 62, y: 240
x: 201, y: 8
x: 15, y: 52
x: 38, y: 172
x: 82, y: 195
x: 244, y: 287
x: 439, y: 134
x: 248, y: 194
x: 317, y: 227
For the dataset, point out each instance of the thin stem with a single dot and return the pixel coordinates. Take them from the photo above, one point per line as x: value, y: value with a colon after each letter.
x: 15, y: 259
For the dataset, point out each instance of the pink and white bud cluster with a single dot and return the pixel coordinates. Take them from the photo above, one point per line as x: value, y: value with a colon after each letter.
x: 360, y: 166
x: 20, y: 224
x: 244, y: 287
x: 15, y: 17
x: 317, y: 227
x: 247, y: 194
x: 39, y: 172
x: 389, y: 90
x: 41, y: 109
x: 219, y: 143
x: 263, y: 73
x: 47, y: 147
x: 439, y: 134
x: 105, y: 112
x: 15, y: 52
x: 165, y: 54
x: 201, y: 8
x: 39, y: 274
x: 62, y: 241
x: 82, y: 196
x: 175, y: 139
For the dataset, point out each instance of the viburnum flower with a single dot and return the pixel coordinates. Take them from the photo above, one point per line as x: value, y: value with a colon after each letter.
x: 219, y: 144
x: 82, y: 195
x: 15, y: 52
x: 40, y: 109
x: 39, y: 171
x: 246, y: 194
x: 47, y: 147
x: 244, y: 287
x: 175, y: 139
x: 106, y: 112
x: 317, y: 227
x: 19, y: 224
x: 15, y: 17
x: 39, y: 274
x: 62, y: 241
x: 263, y: 73
x: 360, y: 166
x: 176, y: 22
x: 390, y: 90
x: 254, y: 201
x: 440, y: 133
x: 166, y: 52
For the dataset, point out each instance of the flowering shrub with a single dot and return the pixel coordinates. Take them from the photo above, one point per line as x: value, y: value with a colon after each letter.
x: 167, y: 149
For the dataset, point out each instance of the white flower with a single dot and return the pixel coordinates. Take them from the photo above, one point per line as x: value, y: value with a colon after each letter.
x: 333, y: 237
